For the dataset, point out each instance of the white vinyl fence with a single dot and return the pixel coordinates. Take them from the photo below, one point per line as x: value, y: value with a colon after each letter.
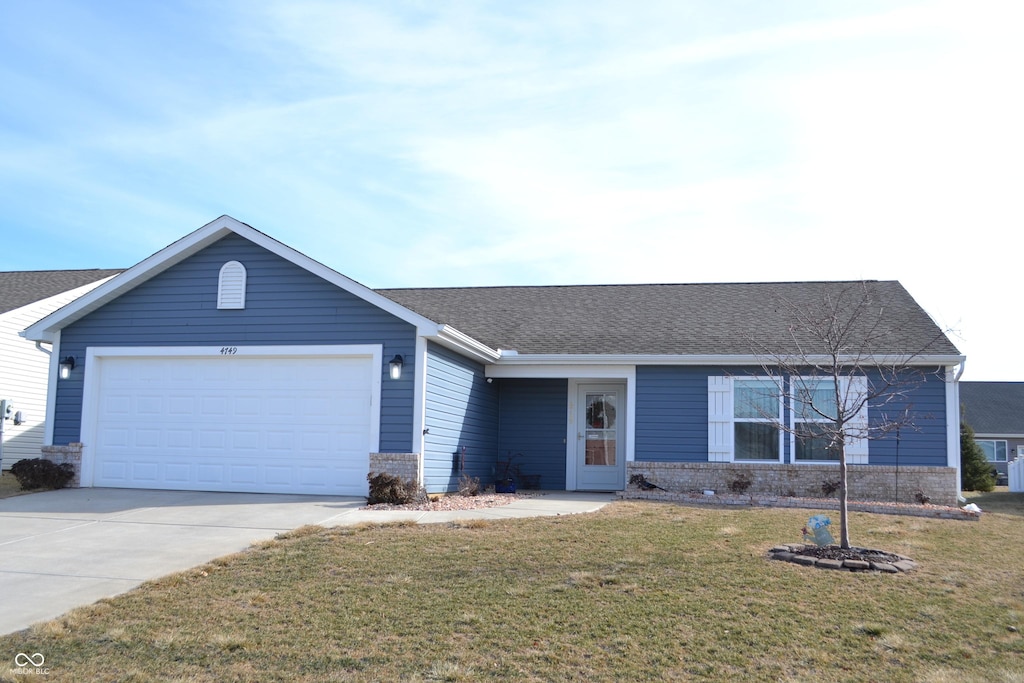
x: 1016, y: 471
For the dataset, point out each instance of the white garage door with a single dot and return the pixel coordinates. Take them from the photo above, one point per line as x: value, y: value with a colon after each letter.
x: 239, y: 423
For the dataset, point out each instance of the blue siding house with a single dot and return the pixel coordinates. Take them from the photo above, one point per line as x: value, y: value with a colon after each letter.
x: 230, y: 362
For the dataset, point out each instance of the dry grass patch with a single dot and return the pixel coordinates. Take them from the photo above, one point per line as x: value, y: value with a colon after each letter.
x: 638, y: 591
x: 9, y: 486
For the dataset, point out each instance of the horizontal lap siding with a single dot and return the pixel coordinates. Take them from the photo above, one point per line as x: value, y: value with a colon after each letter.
x: 285, y: 305
x: 534, y: 414
x: 923, y: 442
x: 672, y: 417
x: 461, y: 411
x: 671, y: 414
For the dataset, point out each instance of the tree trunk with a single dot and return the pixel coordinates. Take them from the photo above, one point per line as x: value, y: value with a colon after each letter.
x: 844, y: 513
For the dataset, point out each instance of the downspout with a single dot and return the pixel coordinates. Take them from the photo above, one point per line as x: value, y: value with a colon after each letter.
x: 955, y: 408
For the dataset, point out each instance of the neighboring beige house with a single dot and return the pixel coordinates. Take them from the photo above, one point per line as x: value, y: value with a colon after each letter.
x: 26, y: 297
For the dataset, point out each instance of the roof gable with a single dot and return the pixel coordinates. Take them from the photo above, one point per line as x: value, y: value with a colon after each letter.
x: 191, y: 244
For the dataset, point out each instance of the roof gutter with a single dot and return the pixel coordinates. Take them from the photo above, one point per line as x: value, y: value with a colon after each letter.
x: 514, y: 358
x: 451, y: 338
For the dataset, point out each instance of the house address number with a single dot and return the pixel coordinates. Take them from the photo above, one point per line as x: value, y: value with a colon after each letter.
x: 228, y: 350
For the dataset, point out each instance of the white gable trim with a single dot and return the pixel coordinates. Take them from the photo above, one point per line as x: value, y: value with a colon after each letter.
x: 451, y: 338
x: 195, y: 242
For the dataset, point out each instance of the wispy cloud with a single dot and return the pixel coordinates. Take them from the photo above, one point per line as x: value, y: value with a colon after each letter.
x: 467, y: 143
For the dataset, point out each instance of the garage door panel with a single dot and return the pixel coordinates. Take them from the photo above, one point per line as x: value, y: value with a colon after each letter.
x: 114, y: 471
x: 145, y: 472
x: 244, y: 474
x: 178, y: 438
x: 245, y: 440
x: 177, y: 473
x: 288, y: 425
x: 148, y: 438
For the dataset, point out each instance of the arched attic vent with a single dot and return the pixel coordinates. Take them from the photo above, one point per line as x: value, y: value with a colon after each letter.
x: 231, y: 288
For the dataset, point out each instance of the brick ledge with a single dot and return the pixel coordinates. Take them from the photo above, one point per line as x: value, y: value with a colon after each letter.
x: 764, y: 500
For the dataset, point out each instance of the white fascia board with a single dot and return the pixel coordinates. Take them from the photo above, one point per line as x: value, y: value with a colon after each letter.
x: 562, y: 371
x: 512, y: 359
x: 134, y: 276
x: 422, y: 324
x: 451, y: 338
x: 1001, y: 437
x: 194, y: 243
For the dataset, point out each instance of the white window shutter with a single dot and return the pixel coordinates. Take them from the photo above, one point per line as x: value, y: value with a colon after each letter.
x: 857, y: 426
x: 231, y: 288
x: 720, y: 414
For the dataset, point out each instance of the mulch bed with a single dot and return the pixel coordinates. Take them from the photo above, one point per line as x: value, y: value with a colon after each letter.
x: 845, y: 559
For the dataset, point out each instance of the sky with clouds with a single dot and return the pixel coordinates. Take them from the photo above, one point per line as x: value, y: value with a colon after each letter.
x: 534, y: 142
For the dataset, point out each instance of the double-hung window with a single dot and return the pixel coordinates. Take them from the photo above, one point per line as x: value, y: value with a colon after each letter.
x: 757, y: 413
x: 814, y: 414
x: 994, y: 449
x: 747, y: 418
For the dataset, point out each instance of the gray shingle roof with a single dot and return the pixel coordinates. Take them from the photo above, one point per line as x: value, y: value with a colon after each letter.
x: 689, y: 319
x: 993, y: 407
x: 20, y: 288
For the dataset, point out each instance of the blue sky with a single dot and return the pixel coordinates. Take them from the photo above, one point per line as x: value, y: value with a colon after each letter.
x: 554, y: 142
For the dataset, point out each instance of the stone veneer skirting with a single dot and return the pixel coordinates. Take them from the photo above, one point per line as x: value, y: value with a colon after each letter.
x: 403, y: 465
x: 72, y: 454
x: 866, y: 482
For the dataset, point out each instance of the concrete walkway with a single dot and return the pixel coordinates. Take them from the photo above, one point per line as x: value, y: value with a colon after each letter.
x: 63, y: 549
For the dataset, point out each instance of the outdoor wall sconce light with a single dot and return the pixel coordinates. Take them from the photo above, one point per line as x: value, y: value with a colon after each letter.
x: 396, y: 367
x: 66, y: 366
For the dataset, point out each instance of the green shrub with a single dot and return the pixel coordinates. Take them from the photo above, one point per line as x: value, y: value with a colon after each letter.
x: 976, y: 472
x: 393, y: 490
x: 38, y: 473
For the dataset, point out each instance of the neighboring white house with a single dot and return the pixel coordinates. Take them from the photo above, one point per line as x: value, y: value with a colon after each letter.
x: 26, y: 297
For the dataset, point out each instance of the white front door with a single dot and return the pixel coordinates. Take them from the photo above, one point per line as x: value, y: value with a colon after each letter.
x: 600, y: 443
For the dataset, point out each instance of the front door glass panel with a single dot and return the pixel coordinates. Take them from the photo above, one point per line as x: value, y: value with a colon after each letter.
x: 601, y: 429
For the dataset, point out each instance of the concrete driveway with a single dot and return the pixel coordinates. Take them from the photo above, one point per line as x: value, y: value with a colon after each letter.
x: 62, y: 549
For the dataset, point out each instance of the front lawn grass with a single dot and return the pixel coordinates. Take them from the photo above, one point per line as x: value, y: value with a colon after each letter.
x: 10, y: 486
x: 639, y: 591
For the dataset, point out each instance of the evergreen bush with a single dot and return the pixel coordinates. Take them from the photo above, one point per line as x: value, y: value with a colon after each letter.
x: 38, y: 473
x: 976, y: 473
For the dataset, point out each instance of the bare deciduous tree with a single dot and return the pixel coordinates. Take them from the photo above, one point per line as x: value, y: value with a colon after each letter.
x: 846, y: 351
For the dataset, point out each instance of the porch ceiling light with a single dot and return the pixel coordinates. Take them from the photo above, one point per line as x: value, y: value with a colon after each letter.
x: 395, y: 364
x: 66, y: 366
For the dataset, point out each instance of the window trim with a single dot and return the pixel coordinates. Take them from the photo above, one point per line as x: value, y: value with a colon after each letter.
x: 793, y: 420
x: 721, y: 446
x: 776, y: 422
x: 995, y: 449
